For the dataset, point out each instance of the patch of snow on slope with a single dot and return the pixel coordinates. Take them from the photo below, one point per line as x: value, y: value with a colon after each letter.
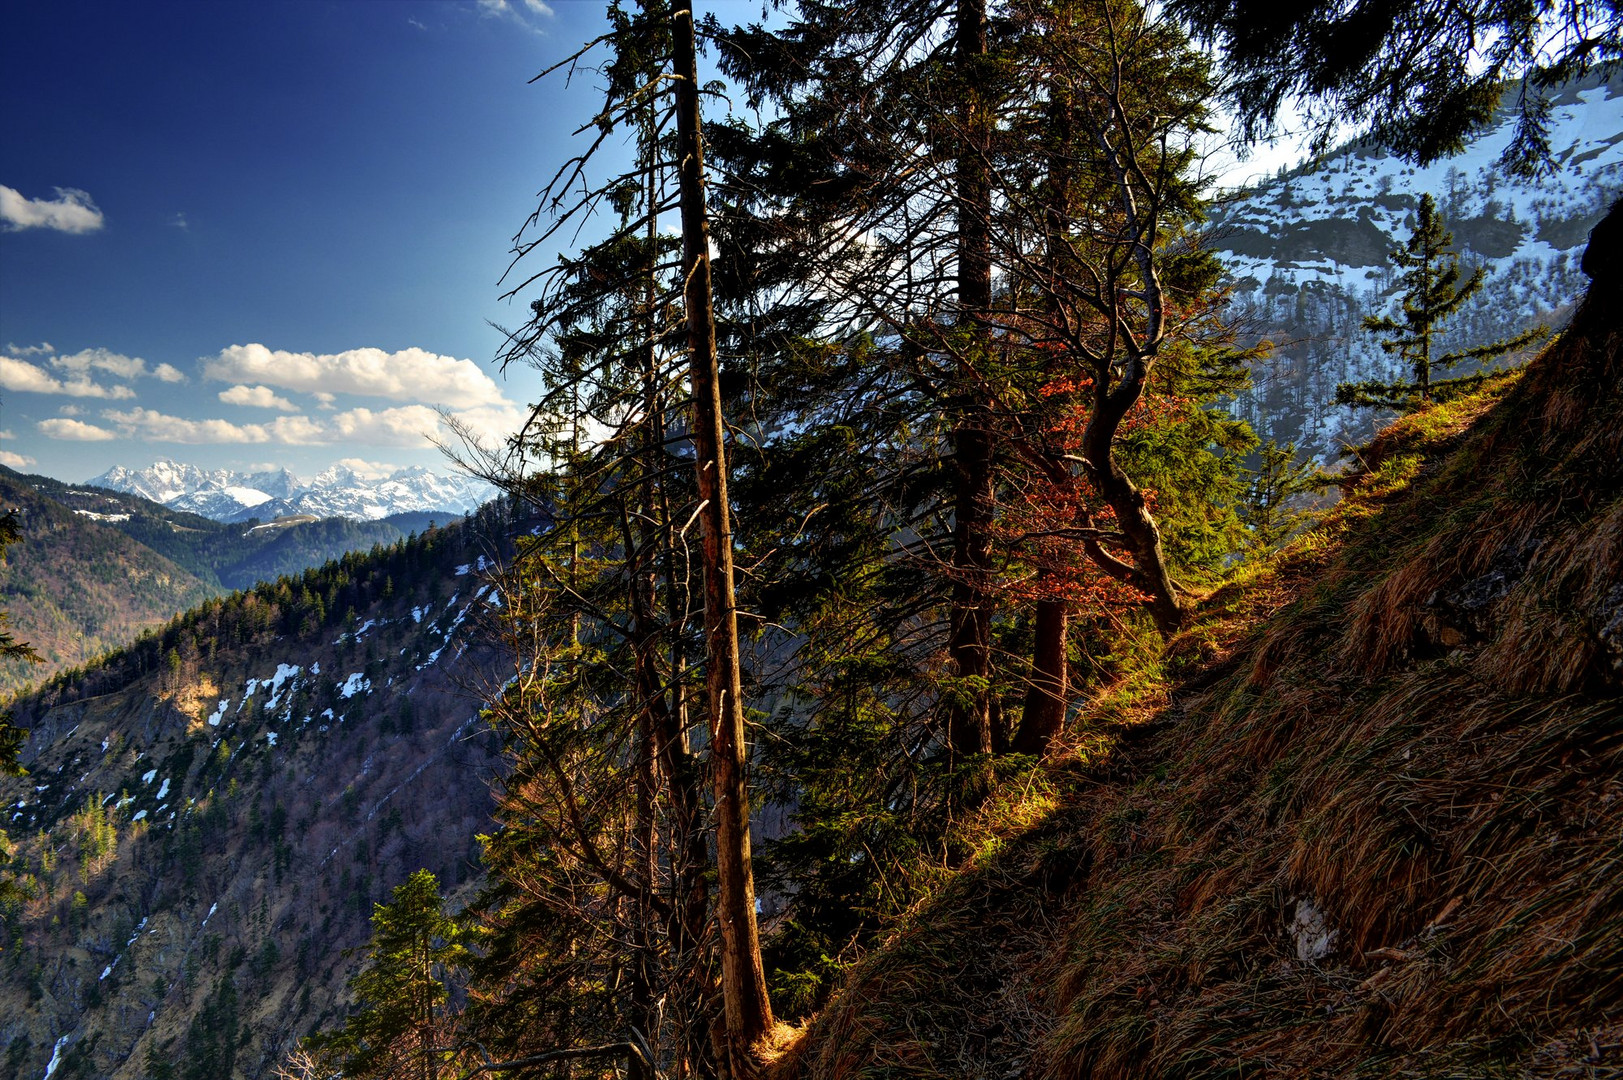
x: 56, y: 1055
x: 283, y: 673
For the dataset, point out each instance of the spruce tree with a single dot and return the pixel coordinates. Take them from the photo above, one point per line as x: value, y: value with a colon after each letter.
x: 1432, y: 292
x: 401, y: 992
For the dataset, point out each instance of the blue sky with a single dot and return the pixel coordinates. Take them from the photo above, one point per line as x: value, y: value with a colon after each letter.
x: 244, y: 233
x: 249, y: 233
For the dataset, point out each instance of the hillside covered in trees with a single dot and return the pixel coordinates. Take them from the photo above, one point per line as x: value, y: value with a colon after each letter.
x: 93, y: 568
x: 210, y: 813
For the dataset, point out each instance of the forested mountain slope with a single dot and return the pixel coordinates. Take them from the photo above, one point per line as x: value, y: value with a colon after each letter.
x: 1308, y: 251
x: 96, y: 567
x: 76, y: 586
x: 211, y: 813
x: 1361, y: 821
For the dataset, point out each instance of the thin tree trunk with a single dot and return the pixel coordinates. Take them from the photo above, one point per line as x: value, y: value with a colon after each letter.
x: 1150, y: 574
x: 748, y: 1010
x: 970, y: 618
x: 1046, y: 698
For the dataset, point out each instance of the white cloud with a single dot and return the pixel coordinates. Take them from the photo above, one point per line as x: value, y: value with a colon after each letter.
x: 409, y: 426
x: 125, y: 367
x: 76, y: 430
x: 72, y: 211
x: 259, y: 397
x: 71, y: 410
x: 154, y: 426
x: 506, y: 9
x: 413, y: 22
x: 368, y: 470
x: 21, y: 376
x: 44, y: 348
x: 179, y: 221
x: 16, y: 461
x: 492, y: 424
x: 406, y: 375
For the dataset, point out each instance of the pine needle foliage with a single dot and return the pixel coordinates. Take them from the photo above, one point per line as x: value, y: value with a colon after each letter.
x: 1433, y: 290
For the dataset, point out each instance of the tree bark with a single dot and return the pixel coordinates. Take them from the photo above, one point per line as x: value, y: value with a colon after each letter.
x: 1044, y: 712
x: 1150, y: 575
x: 1049, y: 692
x: 747, y: 1007
x: 970, y: 617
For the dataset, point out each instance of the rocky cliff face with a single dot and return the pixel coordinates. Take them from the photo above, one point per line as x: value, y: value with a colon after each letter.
x: 209, y: 818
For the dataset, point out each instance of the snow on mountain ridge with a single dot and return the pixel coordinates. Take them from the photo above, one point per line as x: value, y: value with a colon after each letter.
x: 1308, y: 254
x: 337, y: 491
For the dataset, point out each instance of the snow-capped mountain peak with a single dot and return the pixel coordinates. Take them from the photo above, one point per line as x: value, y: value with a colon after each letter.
x: 337, y: 491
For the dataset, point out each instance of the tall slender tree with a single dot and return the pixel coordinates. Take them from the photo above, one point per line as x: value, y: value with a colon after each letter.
x: 748, y: 1008
x: 627, y: 333
x: 1432, y: 292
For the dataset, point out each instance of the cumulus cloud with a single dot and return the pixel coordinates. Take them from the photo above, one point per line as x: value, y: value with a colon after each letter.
x: 71, y: 410
x: 491, y: 424
x: 23, y: 377
x: 75, y: 430
x: 368, y: 470
x: 410, y: 426
x: 125, y: 367
x: 72, y: 211
x: 16, y: 461
x: 259, y: 397
x: 406, y: 375
x: 44, y: 348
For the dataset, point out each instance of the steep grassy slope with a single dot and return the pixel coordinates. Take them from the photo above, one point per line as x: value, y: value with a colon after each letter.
x: 1363, y: 820
x: 212, y: 812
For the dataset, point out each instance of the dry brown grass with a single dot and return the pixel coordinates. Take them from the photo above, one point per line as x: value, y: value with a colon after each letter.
x: 1413, y: 722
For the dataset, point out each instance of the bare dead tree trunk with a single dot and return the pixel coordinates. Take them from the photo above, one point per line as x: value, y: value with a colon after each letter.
x: 970, y: 617
x: 747, y: 1007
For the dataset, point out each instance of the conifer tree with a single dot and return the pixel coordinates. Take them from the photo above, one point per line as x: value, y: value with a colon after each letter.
x: 401, y: 992
x: 605, y: 620
x: 1432, y: 292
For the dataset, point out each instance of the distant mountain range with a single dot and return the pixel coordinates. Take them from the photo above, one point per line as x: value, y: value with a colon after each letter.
x: 339, y: 491
x: 95, y: 567
x: 1308, y: 254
